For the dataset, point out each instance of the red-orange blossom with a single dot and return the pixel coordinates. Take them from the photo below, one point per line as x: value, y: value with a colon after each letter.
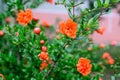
x: 84, y: 66
x: 68, y: 28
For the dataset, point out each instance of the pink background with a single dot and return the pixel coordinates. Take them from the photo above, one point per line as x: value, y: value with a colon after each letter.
x: 111, y: 21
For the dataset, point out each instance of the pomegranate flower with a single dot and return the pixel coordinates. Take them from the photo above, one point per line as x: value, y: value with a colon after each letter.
x: 68, y: 28
x: 84, y: 66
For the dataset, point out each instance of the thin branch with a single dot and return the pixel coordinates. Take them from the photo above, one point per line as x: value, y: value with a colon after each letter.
x: 99, y: 17
x: 53, y: 66
x: 70, y: 5
x: 73, y: 10
x: 88, y: 12
x: 93, y: 10
x: 79, y: 3
x: 25, y: 2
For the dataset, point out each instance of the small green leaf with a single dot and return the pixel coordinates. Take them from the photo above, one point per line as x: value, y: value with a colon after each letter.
x: 95, y: 4
x: 90, y: 21
x: 106, y: 3
x: 101, y: 1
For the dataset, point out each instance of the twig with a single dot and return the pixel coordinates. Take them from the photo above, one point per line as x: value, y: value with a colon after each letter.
x: 73, y: 10
x: 79, y: 3
x: 93, y: 10
x: 26, y: 2
x: 99, y: 17
x: 70, y: 5
x: 53, y: 66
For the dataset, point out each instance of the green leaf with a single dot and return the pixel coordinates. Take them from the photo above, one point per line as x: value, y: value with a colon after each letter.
x: 90, y: 21
x: 95, y: 4
x: 99, y: 3
x: 106, y: 3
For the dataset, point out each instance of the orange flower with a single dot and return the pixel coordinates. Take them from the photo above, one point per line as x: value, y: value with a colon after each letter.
x: 43, y: 65
x: 68, y: 28
x: 105, y: 55
x: 110, y: 61
x: 50, y: 1
x: 101, y: 30
x: 8, y: 20
x: 43, y: 56
x: 3, y: 77
x: 102, y: 45
x: 84, y: 66
x: 45, y: 24
x: 2, y: 33
x: 24, y: 17
x: 89, y: 49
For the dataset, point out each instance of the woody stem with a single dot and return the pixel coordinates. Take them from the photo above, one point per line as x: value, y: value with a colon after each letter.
x: 53, y: 66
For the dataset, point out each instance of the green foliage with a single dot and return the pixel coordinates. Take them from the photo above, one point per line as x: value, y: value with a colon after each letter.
x: 20, y: 46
